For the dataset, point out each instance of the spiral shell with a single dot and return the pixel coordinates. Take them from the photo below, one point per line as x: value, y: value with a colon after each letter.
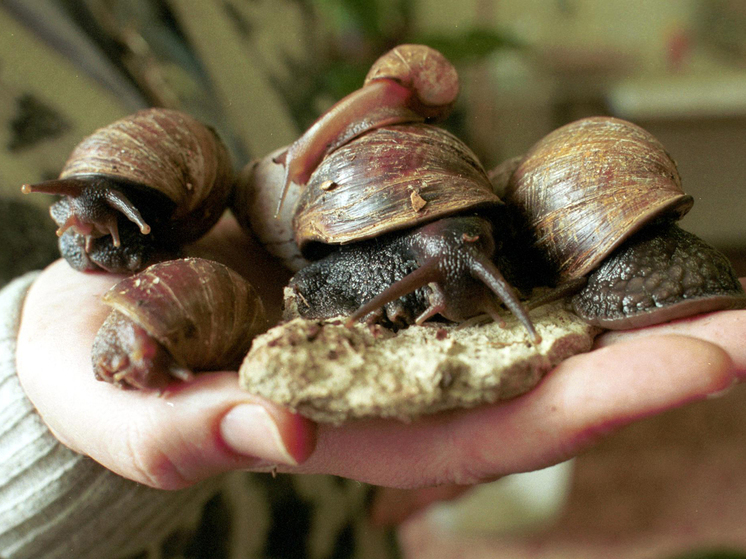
x: 425, y: 71
x: 204, y: 313
x: 392, y: 178
x: 254, y: 204
x: 586, y: 187
x: 168, y: 151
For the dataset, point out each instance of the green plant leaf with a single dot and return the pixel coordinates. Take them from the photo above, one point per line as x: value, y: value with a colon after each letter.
x: 471, y: 45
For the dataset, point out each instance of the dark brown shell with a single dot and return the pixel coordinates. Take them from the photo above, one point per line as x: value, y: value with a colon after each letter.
x: 203, y: 312
x: 392, y: 178
x: 586, y: 187
x: 168, y: 151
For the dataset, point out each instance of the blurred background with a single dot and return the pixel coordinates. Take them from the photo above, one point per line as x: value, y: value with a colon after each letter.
x: 261, y: 71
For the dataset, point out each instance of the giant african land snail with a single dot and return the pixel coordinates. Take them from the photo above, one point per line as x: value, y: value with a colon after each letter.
x: 145, y: 184
x: 599, y: 197
x: 418, y: 224
x: 410, y: 205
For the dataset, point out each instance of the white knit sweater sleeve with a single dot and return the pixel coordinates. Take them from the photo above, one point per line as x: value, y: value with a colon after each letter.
x: 55, y: 503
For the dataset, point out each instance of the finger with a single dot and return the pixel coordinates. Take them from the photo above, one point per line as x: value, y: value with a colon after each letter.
x: 193, y: 431
x: 583, y: 399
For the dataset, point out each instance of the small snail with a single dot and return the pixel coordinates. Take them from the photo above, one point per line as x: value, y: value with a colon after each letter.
x: 173, y: 318
x: 409, y: 83
x: 149, y: 182
x: 599, y: 198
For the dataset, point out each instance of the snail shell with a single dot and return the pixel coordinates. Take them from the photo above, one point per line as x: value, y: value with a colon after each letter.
x: 392, y: 178
x: 201, y: 312
x: 389, y: 195
x: 155, y: 157
x: 254, y: 204
x: 583, y: 189
x: 423, y: 70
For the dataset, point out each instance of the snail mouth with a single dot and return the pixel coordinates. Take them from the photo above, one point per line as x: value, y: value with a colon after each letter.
x: 79, y: 226
x: 127, y: 356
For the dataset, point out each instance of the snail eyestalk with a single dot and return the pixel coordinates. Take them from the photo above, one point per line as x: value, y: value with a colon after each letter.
x: 94, y: 208
x: 488, y: 273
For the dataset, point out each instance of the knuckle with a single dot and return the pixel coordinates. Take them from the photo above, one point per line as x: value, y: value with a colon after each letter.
x: 148, y: 462
x: 467, y: 462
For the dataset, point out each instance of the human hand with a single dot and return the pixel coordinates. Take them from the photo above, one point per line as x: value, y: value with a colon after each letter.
x: 190, y: 432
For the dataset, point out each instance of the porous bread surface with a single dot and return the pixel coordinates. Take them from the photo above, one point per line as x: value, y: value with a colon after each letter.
x: 331, y: 373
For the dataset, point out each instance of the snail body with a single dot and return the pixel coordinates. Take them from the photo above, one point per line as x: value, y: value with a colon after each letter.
x: 173, y: 318
x: 146, y: 183
x: 598, y: 199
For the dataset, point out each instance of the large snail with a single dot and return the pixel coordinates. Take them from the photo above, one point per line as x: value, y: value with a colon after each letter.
x: 173, y: 318
x: 599, y: 197
x: 409, y: 206
x: 147, y: 183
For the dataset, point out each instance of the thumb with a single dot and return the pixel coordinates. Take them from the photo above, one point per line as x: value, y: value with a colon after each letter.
x: 197, y: 430
x: 190, y: 432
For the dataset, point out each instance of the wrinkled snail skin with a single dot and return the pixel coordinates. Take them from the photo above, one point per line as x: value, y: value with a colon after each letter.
x: 443, y: 268
x: 598, y: 199
x: 410, y: 83
x: 175, y: 318
x: 662, y: 274
x: 143, y: 185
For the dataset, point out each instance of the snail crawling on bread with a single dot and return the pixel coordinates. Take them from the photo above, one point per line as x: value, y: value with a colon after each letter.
x: 407, y: 205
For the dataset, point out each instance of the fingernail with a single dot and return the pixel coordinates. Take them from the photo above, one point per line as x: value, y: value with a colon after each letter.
x: 249, y: 429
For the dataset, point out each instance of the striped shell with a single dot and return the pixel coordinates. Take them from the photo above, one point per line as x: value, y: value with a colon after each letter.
x: 204, y: 313
x: 392, y: 178
x: 586, y: 187
x: 425, y: 71
x: 168, y: 151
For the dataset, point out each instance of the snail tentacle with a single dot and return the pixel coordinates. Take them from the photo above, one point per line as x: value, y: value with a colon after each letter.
x: 413, y: 281
x: 94, y: 208
x: 490, y: 275
x: 119, y: 201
